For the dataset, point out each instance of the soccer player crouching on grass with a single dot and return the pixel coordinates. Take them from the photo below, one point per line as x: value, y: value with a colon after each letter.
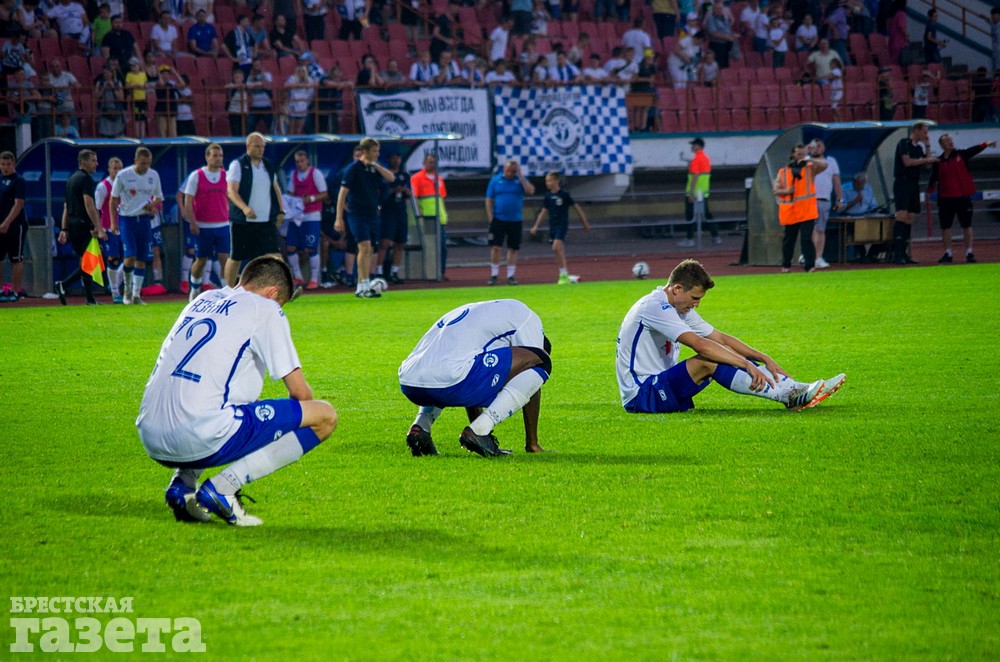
x: 492, y: 355
x: 650, y: 378
x: 201, y: 409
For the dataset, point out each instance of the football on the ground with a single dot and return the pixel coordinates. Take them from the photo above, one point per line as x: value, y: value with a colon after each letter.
x: 380, y: 285
x: 640, y: 270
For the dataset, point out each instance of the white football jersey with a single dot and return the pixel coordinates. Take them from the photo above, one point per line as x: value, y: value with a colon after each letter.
x: 214, y: 358
x: 446, y: 353
x: 647, y: 340
x: 134, y: 191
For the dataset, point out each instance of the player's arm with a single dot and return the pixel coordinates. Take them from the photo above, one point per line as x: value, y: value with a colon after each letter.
x: 718, y: 353
x: 529, y: 188
x: 297, y: 386
x: 819, y: 164
x: 745, y: 350
x: 583, y: 216
x: 489, y: 210
x: 838, y: 192
x: 14, y: 211
x: 338, y: 225
x: 281, y: 201
x: 233, y: 193
x: 542, y: 214
x: 385, y: 172
x: 695, y: 176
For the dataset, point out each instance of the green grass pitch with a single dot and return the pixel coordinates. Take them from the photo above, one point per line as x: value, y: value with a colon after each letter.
x: 867, y: 528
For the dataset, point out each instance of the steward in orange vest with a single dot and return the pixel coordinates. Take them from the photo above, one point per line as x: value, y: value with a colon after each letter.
x: 795, y: 190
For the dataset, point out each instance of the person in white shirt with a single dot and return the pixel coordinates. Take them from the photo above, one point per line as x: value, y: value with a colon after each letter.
x: 491, y: 358
x: 163, y: 35
x: 595, y: 72
x: 637, y: 39
x: 423, y: 71
x: 806, y: 36
x: 135, y: 197
x: 563, y: 71
x: 201, y: 407
x: 450, y: 73
x: 500, y: 39
x: 829, y: 196
x: 621, y: 66
x: 748, y: 20
x: 499, y: 73
x: 651, y: 379
x: 70, y: 17
x: 777, y: 38
x: 762, y: 32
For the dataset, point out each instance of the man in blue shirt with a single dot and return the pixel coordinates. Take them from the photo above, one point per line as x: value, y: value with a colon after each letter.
x: 202, y: 37
x: 360, y: 194
x: 859, y: 198
x: 504, y: 211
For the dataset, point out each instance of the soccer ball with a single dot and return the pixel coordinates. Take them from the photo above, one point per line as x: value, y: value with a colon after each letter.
x: 640, y: 270
x: 380, y: 285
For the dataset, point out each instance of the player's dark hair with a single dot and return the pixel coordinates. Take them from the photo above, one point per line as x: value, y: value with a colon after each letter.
x: 7, y: 156
x: 689, y: 274
x: 84, y: 156
x: 266, y: 271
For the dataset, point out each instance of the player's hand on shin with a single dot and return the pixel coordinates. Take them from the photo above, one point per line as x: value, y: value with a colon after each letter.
x: 759, y: 381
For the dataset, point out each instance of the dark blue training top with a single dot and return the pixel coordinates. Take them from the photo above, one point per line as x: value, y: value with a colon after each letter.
x: 365, y: 186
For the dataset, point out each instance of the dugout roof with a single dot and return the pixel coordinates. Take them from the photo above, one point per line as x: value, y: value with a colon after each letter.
x: 867, y: 147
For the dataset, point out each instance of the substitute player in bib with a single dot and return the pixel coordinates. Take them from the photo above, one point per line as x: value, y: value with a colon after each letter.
x: 556, y: 207
x: 308, y: 184
x: 135, y: 196
x: 201, y: 406
x: 112, y: 246
x: 492, y: 355
x: 652, y: 380
x: 206, y: 209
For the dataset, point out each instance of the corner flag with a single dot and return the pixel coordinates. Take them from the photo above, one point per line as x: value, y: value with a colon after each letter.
x: 92, y: 261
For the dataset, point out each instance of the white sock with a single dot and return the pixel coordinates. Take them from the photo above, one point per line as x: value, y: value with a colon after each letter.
x: 114, y: 280
x: 494, y: 269
x: 511, y: 398
x: 782, y: 385
x: 137, y: 282
x: 563, y: 271
x: 258, y: 464
x: 157, y: 275
x: 188, y: 476
x: 293, y: 262
x: 947, y: 251
x: 217, y: 270
x: 127, y: 275
x: 186, y: 262
x: 511, y: 270
x: 395, y: 270
x: 363, y: 285
x: 314, y: 271
x: 426, y: 417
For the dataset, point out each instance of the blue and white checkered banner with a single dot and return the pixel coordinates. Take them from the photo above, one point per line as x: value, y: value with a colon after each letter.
x: 434, y: 110
x: 577, y: 130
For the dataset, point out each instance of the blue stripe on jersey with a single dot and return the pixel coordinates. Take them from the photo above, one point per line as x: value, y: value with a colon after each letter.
x: 500, y: 337
x: 635, y: 343
x: 236, y: 362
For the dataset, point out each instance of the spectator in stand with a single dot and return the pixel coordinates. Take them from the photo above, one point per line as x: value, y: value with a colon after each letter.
x: 424, y: 71
x: 500, y: 40
x: 806, y: 36
x: 922, y: 90
x: 70, y: 18
x: 259, y: 85
x: 527, y: 57
x: 836, y: 89
x: 313, y: 68
x: 898, y: 32
x: 167, y: 96
x: 451, y: 73
x: 859, y: 198
x: 719, y: 26
x: 185, y: 113
x: 120, y: 44
x: 603, y: 9
x: 838, y: 29
x: 261, y: 40
x: 951, y: 174
x: 932, y: 43
x: 747, y: 23
x: 886, y: 99
x: 287, y: 9
x: 284, y: 41
x: 554, y: 8
x: 637, y: 39
x: 625, y: 72
x: 65, y: 129
x: 443, y: 38
x: 820, y: 63
x: 499, y: 74
x: 472, y: 71
x: 174, y: 7
x: 622, y: 8
x: 520, y: 11
x: 392, y: 76
x: 665, y: 17
x: 300, y: 91
x: 540, y: 19
x: 314, y: 19
x: 330, y: 99
x: 369, y: 75
x: 163, y: 36
x: 778, y: 40
x: 102, y: 24
x: 59, y: 85
x: 595, y: 73
x: 203, y: 39
x: 237, y: 104
x: 192, y: 7
x: 683, y: 60
x: 23, y: 96
x: 539, y: 71
x: 135, y: 86
x: 238, y: 45
x: 708, y: 70
x: 563, y: 71
x: 577, y: 51
x: 30, y: 20
x: 571, y: 10
x: 353, y: 19
x: 110, y: 98
x: 17, y: 55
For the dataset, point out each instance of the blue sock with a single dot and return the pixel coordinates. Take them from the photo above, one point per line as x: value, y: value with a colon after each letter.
x: 725, y: 374
x: 308, y: 439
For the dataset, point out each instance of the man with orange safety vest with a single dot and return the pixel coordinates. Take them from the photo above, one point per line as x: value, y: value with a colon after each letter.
x: 795, y: 189
x: 429, y: 192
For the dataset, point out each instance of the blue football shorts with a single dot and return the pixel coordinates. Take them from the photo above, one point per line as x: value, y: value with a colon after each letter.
x: 479, y: 388
x: 670, y: 391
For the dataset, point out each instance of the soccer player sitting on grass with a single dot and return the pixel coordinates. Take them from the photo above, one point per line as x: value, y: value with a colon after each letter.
x: 556, y: 206
x: 492, y: 355
x: 201, y: 406
x: 650, y: 378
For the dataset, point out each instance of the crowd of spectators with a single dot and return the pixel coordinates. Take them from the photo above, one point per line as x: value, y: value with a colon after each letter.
x: 157, y: 67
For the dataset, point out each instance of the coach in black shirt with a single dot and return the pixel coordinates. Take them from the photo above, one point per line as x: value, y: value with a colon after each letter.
x: 360, y: 193
x: 912, y: 155
x: 80, y: 221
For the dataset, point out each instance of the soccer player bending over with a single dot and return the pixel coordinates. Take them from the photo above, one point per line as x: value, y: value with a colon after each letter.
x: 490, y: 357
x: 650, y: 378
x: 201, y: 407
